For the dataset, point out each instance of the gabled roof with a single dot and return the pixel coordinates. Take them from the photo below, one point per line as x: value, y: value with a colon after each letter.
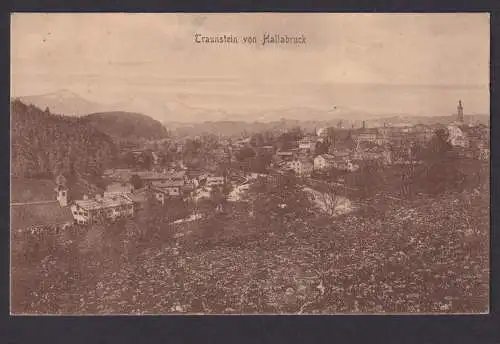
x: 138, y: 196
x: 308, y: 139
x: 328, y: 157
x: 340, y: 154
x: 194, y: 173
x: 164, y: 190
x: 284, y: 153
x: 177, y: 174
x: 148, y: 175
x: 307, y: 164
x: 111, y: 171
x: 104, y: 202
x: 169, y: 183
x: 215, y: 177
x: 366, y: 131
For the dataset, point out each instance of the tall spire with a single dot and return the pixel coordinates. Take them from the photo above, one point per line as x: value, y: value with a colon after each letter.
x: 460, y: 112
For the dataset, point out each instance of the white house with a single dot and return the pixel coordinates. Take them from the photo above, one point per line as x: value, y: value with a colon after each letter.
x: 156, y: 158
x: 341, y: 162
x: 484, y: 151
x: 307, y: 144
x: 214, y: 181
x: 168, y: 189
x: 368, y: 135
x: 457, y: 136
x: 345, y: 165
x: 109, y: 207
x: 62, y: 195
x: 322, y: 132
x: 300, y: 167
x: 323, y: 161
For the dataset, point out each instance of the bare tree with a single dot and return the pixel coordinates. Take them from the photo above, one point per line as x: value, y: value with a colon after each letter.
x: 329, y: 196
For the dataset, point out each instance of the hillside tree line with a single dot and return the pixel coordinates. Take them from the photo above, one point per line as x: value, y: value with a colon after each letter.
x: 46, y: 145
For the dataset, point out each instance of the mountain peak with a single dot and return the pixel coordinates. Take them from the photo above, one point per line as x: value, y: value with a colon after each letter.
x: 63, y: 102
x: 64, y: 93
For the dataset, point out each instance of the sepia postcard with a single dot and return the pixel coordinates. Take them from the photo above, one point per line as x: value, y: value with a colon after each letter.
x: 250, y: 163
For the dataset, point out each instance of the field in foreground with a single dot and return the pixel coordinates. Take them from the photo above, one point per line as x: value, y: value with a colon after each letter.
x: 426, y: 255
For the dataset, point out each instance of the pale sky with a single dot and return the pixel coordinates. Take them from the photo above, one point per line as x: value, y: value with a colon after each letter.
x: 114, y: 57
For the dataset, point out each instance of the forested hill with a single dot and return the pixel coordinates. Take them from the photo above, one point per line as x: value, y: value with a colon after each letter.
x: 127, y: 126
x: 44, y: 145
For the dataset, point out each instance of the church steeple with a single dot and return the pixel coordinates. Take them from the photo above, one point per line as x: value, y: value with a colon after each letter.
x: 460, y: 112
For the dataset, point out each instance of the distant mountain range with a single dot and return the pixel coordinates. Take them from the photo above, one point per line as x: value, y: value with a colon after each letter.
x: 181, y: 117
x: 63, y: 102
x: 68, y: 103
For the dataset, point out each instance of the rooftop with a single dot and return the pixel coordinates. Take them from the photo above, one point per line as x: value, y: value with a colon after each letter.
x: 327, y: 156
x: 366, y: 131
x: 307, y: 139
x: 153, y: 175
x: 160, y: 175
x: 170, y: 183
x: 104, y: 202
x: 138, y: 196
x: 340, y: 154
x: 122, y: 175
x: 163, y: 189
x: 111, y: 171
x: 306, y: 163
x: 284, y: 153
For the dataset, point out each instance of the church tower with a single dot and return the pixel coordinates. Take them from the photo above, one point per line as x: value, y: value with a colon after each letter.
x: 61, y: 190
x: 62, y: 195
x: 460, y: 112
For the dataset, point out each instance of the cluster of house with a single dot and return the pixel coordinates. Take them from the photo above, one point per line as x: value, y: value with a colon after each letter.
x: 121, y: 199
x: 110, y: 205
x: 304, y: 166
x: 162, y: 184
x: 344, y: 149
x: 466, y: 136
x: 347, y: 147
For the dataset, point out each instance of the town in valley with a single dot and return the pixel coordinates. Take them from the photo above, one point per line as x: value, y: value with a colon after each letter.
x: 170, y: 163
x: 165, y: 204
